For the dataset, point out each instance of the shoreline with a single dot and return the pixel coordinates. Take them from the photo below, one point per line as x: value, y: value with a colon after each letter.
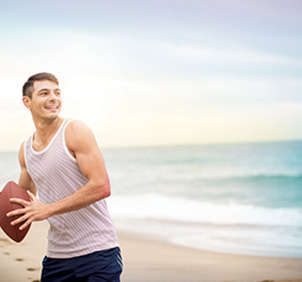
x: 167, y: 230
x: 147, y: 259
x: 170, y: 262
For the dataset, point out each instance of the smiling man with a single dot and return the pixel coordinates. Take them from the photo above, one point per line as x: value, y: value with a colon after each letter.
x: 63, y: 163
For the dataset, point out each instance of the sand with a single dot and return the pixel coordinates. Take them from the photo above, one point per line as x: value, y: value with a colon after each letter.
x: 147, y: 260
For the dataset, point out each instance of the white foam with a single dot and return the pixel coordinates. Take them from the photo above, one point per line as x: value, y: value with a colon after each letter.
x: 251, y: 242
x: 180, y: 209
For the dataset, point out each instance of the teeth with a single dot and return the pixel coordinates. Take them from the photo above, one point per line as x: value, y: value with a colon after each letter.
x: 51, y: 107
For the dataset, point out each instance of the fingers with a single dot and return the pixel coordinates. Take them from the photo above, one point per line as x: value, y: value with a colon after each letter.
x: 28, y: 222
x: 33, y: 210
x: 19, y: 201
x: 31, y: 195
x: 16, y: 212
x: 26, y: 217
x: 20, y: 219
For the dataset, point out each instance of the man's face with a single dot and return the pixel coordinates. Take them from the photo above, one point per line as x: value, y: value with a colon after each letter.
x: 46, y: 100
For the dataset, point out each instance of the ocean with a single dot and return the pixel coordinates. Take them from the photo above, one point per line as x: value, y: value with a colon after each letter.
x: 235, y: 198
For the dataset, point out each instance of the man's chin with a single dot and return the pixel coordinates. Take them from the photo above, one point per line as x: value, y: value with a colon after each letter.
x: 51, y: 117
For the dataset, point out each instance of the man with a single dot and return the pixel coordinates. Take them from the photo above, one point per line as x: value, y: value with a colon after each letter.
x: 63, y: 163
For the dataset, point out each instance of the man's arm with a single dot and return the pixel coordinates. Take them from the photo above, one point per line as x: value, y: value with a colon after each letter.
x: 25, y: 180
x: 81, y: 142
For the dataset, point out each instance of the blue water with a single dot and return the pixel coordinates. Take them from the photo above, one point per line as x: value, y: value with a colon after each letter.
x: 237, y: 198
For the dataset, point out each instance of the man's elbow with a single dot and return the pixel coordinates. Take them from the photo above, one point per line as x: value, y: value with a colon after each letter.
x: 104, y: 190
x: 108, y: 192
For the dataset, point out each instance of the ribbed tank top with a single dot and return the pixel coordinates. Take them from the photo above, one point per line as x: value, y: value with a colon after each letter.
x: 57, y: 175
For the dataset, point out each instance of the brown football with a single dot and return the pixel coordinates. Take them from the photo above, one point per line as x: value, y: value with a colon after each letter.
x: 12, y: 190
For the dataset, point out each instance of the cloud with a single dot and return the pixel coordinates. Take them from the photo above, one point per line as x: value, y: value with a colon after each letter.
x: 179, y: 83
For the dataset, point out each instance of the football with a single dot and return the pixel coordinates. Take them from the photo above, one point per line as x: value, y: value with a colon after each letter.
x: 12, y: 190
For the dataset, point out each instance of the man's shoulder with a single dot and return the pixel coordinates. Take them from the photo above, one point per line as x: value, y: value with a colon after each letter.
x: 77, y: 132
x: 22, y: 146
x: 77, y: 127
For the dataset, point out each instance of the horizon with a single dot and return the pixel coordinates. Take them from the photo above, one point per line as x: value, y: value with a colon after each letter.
x: 187, y: 145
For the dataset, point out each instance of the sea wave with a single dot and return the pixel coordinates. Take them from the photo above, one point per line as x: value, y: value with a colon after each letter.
x: 156, y: 206
x: 261, y: 176
x: 235, y: 175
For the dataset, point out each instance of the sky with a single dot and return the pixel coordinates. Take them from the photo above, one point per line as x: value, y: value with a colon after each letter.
x: 155, y: 72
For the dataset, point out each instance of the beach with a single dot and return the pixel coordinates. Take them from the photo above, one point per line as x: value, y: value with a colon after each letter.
x: 204, y: 196
x: 150, y: 260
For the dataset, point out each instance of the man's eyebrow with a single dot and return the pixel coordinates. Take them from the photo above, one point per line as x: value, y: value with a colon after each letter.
x: 43, y: 89
x: 46, y: 89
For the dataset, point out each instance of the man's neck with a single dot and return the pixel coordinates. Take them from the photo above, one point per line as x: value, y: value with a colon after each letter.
x: 45, y: 129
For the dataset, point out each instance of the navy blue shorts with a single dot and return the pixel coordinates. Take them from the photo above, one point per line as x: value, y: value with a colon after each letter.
x: 99, y: 266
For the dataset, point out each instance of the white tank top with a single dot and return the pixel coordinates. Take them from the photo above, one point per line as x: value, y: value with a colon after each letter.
x: 56, y: 175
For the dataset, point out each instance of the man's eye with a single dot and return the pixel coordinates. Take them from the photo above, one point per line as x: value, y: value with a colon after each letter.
x: 43, y: 93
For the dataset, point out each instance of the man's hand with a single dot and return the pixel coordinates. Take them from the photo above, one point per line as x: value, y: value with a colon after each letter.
x: 34, y: 210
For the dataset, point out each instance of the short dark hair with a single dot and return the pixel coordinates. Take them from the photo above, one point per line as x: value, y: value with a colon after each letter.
x: 28, y: 86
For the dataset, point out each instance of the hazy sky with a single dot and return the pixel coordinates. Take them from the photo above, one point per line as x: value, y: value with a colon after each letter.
x: 158, y: 72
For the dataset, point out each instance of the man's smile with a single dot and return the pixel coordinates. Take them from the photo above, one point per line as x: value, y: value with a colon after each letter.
x: 52, y: 107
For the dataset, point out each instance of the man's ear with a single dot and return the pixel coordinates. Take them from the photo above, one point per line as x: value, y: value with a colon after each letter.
x: 26, y: 101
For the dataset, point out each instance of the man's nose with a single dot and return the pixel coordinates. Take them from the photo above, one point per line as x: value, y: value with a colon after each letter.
x: 52, y: 96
